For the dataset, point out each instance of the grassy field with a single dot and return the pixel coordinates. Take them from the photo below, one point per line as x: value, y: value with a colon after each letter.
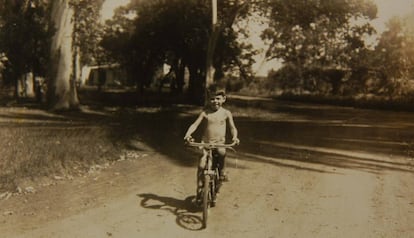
x: 36, y: 143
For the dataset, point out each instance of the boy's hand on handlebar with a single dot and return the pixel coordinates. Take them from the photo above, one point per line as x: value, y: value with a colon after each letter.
x: 236, y: 141
x: 188, y: 139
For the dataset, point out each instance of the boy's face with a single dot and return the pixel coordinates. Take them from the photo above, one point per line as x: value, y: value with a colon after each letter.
x: 217, y: 101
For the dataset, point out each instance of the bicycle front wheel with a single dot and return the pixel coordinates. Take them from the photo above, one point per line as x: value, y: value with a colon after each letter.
x: 206, y: 199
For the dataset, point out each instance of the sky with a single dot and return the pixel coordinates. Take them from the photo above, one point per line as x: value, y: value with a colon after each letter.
x: 390, y: 8
x: 386, y: 10
x: 109, y: 6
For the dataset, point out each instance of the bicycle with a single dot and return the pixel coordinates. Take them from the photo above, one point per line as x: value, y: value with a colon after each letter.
x: 210, y: 178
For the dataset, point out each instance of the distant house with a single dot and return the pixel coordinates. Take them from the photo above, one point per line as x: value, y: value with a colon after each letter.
x: 112, y: 75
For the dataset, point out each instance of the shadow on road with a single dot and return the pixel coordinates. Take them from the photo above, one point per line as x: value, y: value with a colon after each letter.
x: 372, y: 147
x: 184, y: 210
x: 299, y: 136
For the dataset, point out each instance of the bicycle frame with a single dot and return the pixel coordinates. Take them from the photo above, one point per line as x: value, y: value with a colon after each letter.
x: 210, y: 176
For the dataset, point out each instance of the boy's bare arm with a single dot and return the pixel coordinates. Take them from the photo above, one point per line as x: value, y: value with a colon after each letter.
x: 233, y: 129
x: 193, y: 127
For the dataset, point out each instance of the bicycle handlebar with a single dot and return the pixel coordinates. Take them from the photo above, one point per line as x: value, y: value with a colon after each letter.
x: 210, y: 145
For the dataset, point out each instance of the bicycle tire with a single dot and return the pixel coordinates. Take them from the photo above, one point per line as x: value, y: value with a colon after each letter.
x: 217, y: 182
x: 206, y: 199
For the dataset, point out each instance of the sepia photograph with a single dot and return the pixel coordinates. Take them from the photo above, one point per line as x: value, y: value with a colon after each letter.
x: 206, y: 118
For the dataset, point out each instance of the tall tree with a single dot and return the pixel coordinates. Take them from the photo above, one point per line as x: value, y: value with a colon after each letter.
x: 75, y: 22
x: 62, y: 92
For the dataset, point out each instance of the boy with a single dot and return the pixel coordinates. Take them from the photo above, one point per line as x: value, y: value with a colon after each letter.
x: 215, y: 119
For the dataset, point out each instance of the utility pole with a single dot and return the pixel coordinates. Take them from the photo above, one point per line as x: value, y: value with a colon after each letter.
x: 211, y: 45
x: 214, y: 12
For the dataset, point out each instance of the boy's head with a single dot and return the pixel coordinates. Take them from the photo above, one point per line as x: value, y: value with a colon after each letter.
x: 216, y: 96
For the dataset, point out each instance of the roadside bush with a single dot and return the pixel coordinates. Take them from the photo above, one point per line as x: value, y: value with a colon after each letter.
x: 234, y: 84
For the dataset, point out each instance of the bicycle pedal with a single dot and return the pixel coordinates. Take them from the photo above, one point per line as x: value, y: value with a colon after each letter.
x: 224, y: 178
x: 198, y: 203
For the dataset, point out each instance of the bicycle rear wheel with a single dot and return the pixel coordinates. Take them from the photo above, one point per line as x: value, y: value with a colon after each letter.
x: 206, y: 199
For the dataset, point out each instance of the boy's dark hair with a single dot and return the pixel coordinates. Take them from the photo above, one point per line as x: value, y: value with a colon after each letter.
x: 215, y: 90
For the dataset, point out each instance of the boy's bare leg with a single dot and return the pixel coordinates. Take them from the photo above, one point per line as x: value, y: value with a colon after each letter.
x: 221, y: 160
x: 223, y: 177
x: 200, y: 184
x: 199, y: 188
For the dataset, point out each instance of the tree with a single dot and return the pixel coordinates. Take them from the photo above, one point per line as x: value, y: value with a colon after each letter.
x: 87, y: 35
x: 25, y: 36
x: 88, y: 31
x: 323, y: 36
x: 176, y: 31
x: 232, y: 54
x: 76, y: 22
x: 50, y: 38
x: 62, y: 92
x: 173, y: 31
x: 394, y: 57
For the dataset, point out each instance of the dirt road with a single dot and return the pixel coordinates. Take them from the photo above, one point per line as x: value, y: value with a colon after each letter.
x: 302, y: 171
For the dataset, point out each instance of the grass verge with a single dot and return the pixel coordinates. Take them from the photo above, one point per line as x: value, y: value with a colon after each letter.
x: 36, y: 143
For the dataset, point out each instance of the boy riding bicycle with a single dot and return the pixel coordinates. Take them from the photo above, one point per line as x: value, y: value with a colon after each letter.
x: 215, y: 119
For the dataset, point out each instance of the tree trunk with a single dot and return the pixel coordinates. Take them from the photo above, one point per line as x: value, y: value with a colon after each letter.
x: 210, y: 55
x: 197, y: 86
x: 180, y: 76
x: 62, y: 93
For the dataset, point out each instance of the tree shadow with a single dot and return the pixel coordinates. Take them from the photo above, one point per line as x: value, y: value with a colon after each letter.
x: 311, y: 135
x: 372, y: 148
x: 184, y: 210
